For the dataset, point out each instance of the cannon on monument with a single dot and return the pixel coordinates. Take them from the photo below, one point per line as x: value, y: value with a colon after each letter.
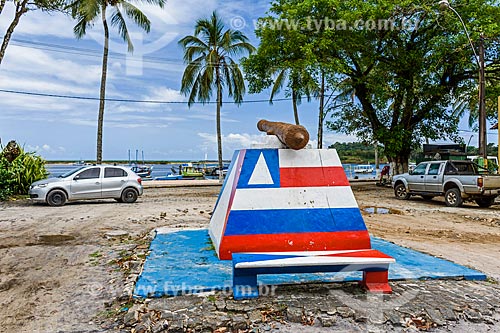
x: 293, y: 136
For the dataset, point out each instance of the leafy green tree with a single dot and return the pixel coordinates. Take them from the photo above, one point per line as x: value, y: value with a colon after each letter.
x: 405, y: 62
x: 21, y: 7
x: 86, y: 12
x: 285, y: 34
x: 356, y: 152
x: 210, y: 66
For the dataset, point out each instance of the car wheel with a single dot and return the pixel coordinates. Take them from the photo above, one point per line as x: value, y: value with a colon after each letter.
x: 56, y: 198
x: 129, y: 195
x: 400, y: 192
x: 485, y: 202
x: 453, y: 198
x: 427, y: 197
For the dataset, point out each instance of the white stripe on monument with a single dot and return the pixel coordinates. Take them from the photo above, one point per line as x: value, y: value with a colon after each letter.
x: 307, y: 158
x: 294, y: 198
x: 314, y: 261
x: 217, y: 222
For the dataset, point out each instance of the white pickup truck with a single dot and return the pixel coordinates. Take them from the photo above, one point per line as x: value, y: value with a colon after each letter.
x: 457, y: 181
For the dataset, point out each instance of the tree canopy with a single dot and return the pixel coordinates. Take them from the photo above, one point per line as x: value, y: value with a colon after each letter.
x: 403, y: 64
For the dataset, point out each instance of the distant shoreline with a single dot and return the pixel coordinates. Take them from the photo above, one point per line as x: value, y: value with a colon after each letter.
x: 72, y: 162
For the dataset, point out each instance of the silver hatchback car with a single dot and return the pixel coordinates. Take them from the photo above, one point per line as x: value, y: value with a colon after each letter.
x: 89, y: 182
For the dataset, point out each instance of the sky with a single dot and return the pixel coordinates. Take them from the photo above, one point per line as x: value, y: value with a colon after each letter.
x: 45, y: 57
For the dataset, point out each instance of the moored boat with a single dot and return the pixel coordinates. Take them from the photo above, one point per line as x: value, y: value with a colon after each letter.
x: 363, y: 168
x: 170, y: 177
x: 188, y: 170
x: 142, y: 170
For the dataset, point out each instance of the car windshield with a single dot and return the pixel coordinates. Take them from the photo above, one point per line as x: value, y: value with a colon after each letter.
x: 69, y: 173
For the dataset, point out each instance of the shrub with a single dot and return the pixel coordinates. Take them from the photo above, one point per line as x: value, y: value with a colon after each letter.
x: 17, y: 176
x: 6, y: 179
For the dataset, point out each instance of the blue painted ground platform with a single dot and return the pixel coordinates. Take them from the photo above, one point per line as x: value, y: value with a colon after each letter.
x: 185, y: 262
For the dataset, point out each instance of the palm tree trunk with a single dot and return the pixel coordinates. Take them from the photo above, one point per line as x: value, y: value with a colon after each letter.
x: 219, y: 134
x: 2, y: 4
x: 102, y: 96
x: 20, y: 10
x: 321, y: 111
x: 295, y: 109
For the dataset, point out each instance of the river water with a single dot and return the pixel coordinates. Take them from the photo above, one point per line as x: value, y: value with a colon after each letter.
x: 161, y: 170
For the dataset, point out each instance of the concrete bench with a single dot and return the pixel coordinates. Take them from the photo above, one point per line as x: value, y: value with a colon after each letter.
x: 246, y: 266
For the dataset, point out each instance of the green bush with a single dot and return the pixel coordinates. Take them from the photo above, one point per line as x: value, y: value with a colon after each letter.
x: 6, y: 179
x: 17, y: 176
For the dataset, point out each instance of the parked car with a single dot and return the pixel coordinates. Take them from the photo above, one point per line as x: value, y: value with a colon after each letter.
x: 455, y: 180
x: 89, y: 182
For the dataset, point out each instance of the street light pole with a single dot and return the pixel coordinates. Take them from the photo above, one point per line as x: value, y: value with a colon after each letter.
x: 483, y: 151
x: 482, y: 83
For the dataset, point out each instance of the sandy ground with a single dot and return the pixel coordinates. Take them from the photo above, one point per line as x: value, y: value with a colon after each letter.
x: 59, y: 271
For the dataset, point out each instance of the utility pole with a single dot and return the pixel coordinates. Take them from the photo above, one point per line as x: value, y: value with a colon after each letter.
x: 483, y: 151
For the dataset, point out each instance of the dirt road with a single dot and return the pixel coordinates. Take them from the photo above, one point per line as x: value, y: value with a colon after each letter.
x: 61, y: 269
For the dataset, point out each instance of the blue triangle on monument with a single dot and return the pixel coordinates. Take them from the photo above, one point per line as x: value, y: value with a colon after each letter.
x: 260, y: 169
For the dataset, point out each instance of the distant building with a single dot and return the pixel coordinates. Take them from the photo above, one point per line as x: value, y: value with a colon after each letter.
x: 442, y: 152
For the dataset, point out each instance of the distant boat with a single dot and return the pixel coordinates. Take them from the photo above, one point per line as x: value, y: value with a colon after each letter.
x: 363, y: 168
x: 216, y: 171
x: 80, y: 163
x: 142, y: 170
x: 170, y: 177
x: 188, y: 170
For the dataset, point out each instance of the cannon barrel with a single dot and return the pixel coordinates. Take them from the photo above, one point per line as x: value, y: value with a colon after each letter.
x: 293, y: 136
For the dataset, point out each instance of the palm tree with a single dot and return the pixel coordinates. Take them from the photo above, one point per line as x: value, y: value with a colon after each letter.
x: 300, y: 81
x: 210, y: 66
x: 87, y: 12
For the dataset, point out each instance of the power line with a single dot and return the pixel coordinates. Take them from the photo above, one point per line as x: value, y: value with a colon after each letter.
x: 474, y: 132
x: 86, y: 52
x: 28, y: 93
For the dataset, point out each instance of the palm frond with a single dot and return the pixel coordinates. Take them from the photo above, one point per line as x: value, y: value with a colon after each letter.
x: 136, y: 15
x: 194, y: 90
x: 192, y: 41
x: 278, y: 84
x: 190, y: 75
x: 80, y: 29
x: 194, y: 51
x: 159, y: 3
x: 117, y: 20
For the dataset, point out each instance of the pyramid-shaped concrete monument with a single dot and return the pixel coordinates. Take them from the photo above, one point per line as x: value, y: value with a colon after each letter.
x: 292, y: 208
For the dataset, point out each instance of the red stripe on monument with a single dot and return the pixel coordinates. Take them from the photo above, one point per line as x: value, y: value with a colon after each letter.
x: 311, y: 177
x: 310, y: 241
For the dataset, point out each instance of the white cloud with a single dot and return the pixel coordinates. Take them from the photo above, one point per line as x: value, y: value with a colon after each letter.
x: 44, y: 149
x: 39, y: 23
x: 165, y: 94
x: 230, y: 142
x: 58, y: 66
